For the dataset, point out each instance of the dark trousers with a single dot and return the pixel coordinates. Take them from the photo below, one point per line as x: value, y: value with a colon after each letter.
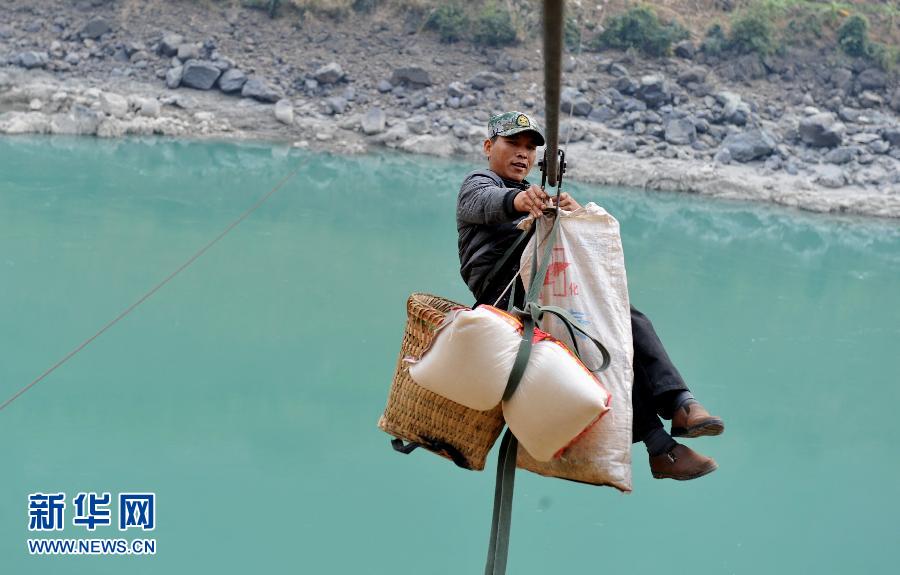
x: 655, y: 377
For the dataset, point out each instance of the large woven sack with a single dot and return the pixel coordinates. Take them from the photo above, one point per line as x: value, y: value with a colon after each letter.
x: 587, y: 277
x: 415, y: 414
x: 470, y: 362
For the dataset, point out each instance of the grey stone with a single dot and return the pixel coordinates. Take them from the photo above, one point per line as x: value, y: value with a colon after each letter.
x: 841, y: 155
x: 232, y: 80
x: 681, y: 131
x: 173, y: 77
x: 627, y: 85
x: 412, y: 76
x: 418, y: 124
x: 349, y: 94
x: 574, y: 102
x: 374, y: 121
x: 384, y: 87
x: 895, y: 100
x: 169, y: 44
x: 750, y: 145
x: 849, y: 114
x: 199, y: 74
x: 418, y: 101
x: 483, y: 80
x: 694, y: 74
x: 831, y: 176
x: 188, y: 51
x: 685, y: 49
x: 468, y: 101
x: 892, y: 135
x: 870, y: 100
x: 879, y: 147
x: 258, y: 89
x: 654, y: 91
x: 632, y: 105
x: 821, y: 130
x: 872, y: 79
x: 723, y: 156
x: 618, y: 70
x: 791, y: 167
x: 150, y: 108
x: 335, y: 105
x: 330, y: 73
x: 95, y: 28
x: 113, y: 104
x: 284, y: 111
x: 456, y: 90
x: 625, y: 145
x: 602, y: 114
x: 121, y: 55
x: 6, y: 32
x: 31, y: 60
x: 773, y: 163
x: 453, y: 102
x: 33, y: 26
x: 841, y: 78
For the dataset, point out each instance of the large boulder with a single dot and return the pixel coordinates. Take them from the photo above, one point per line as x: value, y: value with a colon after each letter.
x: 232, y: 81
x: 892, y: 135
x: 574, y: 102
x: 31, y: 59
x: 199, y: 74
x: 654, y: 91
x: 821, y: 130
x: 373, y: 122
x: 113, y: 104
x: 330, y: 73
x: 734, y: 109
x: 169, y: 44
x: 750, y: 145
x: 335, y: 105
x: 412, y: 77
x: 872, y: 79
x: 483, y: 80
x: 95, y: 28
x: 692, y: 75
x: 284, y: 111
x: 681, y: 131
x: 257, y: 88
x: 173, y: 77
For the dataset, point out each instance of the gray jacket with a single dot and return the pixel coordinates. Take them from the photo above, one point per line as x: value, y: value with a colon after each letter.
x: 486, y: 221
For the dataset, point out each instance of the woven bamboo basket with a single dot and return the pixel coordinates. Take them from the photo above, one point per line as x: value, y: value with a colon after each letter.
x: 414, y: 414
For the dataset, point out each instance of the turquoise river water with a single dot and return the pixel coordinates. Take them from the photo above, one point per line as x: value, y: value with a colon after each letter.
x: 245, y: 393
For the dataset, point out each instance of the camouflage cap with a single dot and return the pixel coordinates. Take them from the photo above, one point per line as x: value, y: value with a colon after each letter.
x: 510, y: 123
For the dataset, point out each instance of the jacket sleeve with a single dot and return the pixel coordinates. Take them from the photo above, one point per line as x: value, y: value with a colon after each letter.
x: 482, y: 201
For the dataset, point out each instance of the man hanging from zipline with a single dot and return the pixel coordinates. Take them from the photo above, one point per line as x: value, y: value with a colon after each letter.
x: 491, y: 203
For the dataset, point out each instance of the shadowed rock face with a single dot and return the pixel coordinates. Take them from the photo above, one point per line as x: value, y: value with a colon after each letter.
x: 750, y: 145
x: 200, y: 75
x: 821, y: 130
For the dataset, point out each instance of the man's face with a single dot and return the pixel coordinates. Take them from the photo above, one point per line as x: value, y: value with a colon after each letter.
x: 511, y: 157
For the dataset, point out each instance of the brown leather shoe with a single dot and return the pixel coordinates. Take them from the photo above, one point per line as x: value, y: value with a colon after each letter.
x: 692, y: 420
x: 681, y: 463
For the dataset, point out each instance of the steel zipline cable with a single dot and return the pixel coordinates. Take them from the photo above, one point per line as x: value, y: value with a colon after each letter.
x: 155, y: 288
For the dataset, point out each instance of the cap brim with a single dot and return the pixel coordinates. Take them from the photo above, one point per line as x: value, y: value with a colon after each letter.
x: 514, y: 131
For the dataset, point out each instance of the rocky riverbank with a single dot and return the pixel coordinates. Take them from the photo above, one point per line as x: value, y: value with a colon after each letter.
x: 802, y: 131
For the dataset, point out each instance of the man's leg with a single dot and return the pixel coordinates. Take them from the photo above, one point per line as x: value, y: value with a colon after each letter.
x: 668, y: 458
x: 669, y: 396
